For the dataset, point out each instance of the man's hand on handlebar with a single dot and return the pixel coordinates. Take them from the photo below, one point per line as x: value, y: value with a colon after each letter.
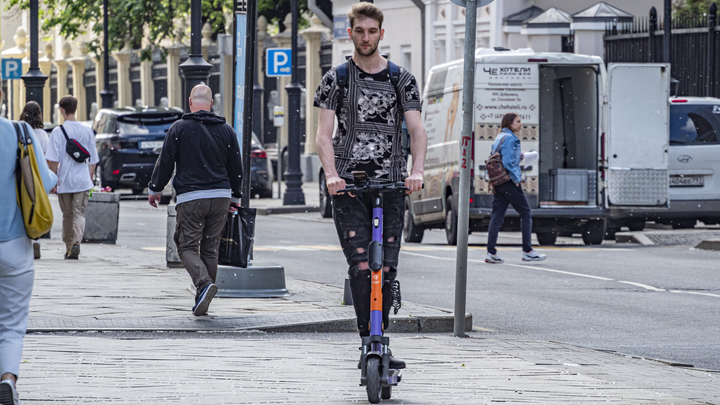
x: 414, y: 182
x: 335, y: 183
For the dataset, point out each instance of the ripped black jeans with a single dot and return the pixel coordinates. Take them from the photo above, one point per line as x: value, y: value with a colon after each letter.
x: 353, y: 216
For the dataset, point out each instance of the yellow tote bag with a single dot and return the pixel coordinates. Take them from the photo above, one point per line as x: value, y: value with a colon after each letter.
x: 31, y: 196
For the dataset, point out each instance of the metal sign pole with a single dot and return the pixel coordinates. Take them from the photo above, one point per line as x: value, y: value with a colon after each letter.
x: 466, y: 161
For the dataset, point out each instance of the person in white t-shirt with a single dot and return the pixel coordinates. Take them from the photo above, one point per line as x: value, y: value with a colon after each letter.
x: 74, y: 179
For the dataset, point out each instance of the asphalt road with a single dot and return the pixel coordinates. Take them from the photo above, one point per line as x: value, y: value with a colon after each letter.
x: 656, y: 302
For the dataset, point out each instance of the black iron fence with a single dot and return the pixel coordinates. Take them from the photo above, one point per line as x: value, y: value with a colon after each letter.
x: 694, y: 53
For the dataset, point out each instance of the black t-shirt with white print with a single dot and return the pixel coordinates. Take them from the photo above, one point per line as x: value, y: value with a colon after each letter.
x: 368, y: 134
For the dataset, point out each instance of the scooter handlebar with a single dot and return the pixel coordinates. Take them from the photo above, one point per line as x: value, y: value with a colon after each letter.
x: 370, y: 187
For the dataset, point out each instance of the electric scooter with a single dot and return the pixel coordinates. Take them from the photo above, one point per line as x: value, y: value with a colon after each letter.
x: 376, y: 373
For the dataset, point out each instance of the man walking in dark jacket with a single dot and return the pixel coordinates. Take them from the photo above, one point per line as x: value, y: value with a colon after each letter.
x: 204, y: 151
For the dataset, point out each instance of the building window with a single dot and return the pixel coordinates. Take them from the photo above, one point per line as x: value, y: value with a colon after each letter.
x: 407, y: 58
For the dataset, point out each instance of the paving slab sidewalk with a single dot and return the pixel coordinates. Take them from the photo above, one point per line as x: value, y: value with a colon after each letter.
x: 117, y: 288
x: 76, y: 354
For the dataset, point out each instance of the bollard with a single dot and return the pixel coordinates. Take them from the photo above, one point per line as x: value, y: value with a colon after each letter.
x: 101, y: 218
x: 347, y: 293
x: 171, y: 253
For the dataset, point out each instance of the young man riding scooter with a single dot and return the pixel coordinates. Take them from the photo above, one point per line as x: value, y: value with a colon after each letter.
x: 370, y: 97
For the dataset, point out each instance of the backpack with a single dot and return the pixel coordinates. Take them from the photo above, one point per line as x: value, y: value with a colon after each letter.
x: 31, y: 196
x: 496, y: 171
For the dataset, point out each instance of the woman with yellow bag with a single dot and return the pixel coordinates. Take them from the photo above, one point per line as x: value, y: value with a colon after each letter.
x: 17, y: 268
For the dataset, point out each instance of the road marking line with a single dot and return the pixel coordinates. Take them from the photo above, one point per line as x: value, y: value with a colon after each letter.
x: 561, y: 272
x: 479, y: 329
x: 645, y: 286
x: 695, y: 293
x: 157, y: 249
x: 517, y: 265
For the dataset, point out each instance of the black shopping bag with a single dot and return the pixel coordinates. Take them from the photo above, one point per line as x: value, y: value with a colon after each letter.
x: 237, y: 237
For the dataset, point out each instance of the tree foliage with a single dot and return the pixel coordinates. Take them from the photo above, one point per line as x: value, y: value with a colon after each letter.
x: 128, y: 20
x: 132, y: 21
x: 692, y: 6
x: 276, y: 10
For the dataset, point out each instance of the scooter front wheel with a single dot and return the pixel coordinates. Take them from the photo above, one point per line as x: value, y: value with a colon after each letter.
x: 374, y: 386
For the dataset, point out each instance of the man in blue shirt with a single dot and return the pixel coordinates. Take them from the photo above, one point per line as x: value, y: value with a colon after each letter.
x: 17, y: 269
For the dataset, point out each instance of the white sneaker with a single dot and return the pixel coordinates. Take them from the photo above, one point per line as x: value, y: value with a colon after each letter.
x: 533, y: 256
x: 493, y: 258
x: 8, y: 393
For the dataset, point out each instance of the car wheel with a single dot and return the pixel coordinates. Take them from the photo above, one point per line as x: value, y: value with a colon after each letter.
x: 411, y: 232
x: 165, y: 200
x: 136, y: 190
x: 546, y: 238
x: 325, y: 199
x: 594, y: 232
x: 451, y: 222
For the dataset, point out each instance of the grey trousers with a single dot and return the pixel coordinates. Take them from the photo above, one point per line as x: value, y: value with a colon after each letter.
x: 197, y: 235
x: 17, y: 273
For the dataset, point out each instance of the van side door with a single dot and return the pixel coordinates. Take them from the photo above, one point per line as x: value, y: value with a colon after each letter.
x: 637, y: 134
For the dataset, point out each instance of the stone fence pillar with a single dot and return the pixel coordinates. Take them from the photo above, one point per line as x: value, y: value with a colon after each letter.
x: 16, y: 103
x: 284, y: 40
x: 174, y: 85
x: 78, y: 76
x: 46, y: 68
x: 313, y: 75
x: 147, y: 86
x: 62, y: 70
x: 124, y: 86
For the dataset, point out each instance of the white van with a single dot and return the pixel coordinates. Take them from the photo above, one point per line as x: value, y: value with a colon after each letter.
x: 602, y: 137
x: 694, y: 166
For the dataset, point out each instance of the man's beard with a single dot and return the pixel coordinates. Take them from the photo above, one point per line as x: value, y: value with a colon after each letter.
x: 372, y: 50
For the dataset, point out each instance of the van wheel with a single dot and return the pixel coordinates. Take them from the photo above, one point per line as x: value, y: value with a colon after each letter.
x: 451, y: 222
x: 325, y: 199
x: 593, y: 232
x: 636, y: 225
x: 546, y: 238
x: 683, y: 223
x: 411, y: 232
x: 610, y: 233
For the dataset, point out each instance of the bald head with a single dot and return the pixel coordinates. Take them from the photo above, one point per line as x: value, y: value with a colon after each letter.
x: 201, y: 98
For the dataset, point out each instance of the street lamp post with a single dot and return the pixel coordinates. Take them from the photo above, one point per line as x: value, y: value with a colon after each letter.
x: 293, y: 192
x: 106, y: 94
x: 195, y: 70
x: 34, y: 79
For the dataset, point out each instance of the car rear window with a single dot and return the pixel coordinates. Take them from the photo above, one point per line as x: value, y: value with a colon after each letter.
x: 694, y: 124
x: 125, y: 128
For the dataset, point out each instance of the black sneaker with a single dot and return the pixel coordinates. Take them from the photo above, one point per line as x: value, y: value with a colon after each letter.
x: 394, y: 363
x: 203, y: 300
x: 74, y: 252
x: 36, y: 249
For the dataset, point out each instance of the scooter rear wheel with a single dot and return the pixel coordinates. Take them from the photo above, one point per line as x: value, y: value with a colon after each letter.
x: 386, y: 392
x: 374, y: 386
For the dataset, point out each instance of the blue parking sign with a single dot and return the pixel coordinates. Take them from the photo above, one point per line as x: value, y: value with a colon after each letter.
x: 11, y: 69
x: 278, y: 62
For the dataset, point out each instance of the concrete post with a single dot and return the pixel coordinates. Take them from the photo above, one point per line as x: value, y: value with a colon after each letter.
x: 206, y: 41
x: 284, y: 40
x: 174, y: 85
x: 62, y: 71
x: 313, y: 75
x: 78, y: 76
x: 99, y: 78
x: 147, y: 86
x: 16, y: 103
x: 262, y: 35
x: 45, y: 67
x: 123, y: 76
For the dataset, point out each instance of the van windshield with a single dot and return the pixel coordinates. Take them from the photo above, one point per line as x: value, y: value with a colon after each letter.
x: 694, y: 124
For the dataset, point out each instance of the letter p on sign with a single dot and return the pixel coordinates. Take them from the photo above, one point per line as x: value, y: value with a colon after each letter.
x: 278, y: 62
x: 11, y: 69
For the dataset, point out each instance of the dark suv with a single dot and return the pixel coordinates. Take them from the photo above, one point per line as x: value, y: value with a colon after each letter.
x: 129, y: 141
